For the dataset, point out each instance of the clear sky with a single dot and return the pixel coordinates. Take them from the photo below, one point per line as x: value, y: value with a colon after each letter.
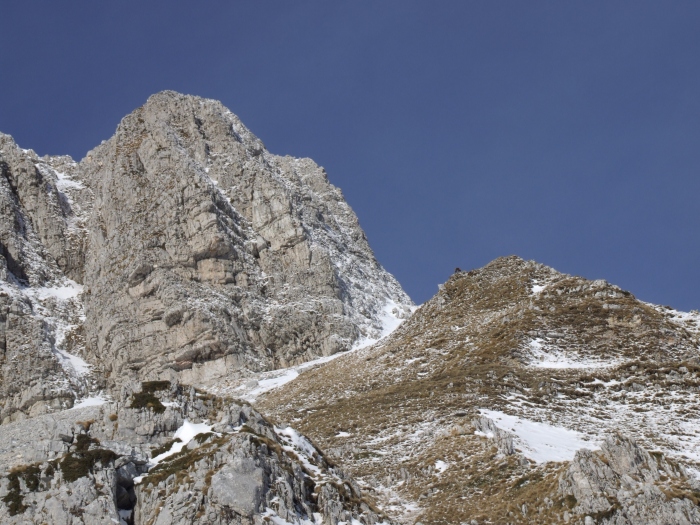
x: 565, y: 132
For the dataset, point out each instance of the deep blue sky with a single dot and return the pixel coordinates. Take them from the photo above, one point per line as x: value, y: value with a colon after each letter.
x: 566, y: 132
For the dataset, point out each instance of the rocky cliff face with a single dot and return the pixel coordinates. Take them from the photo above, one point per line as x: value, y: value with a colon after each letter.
x: 41, y: 314
x: 179, y: 248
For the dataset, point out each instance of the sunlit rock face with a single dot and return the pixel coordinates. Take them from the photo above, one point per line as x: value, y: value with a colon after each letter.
x: 178, y: 248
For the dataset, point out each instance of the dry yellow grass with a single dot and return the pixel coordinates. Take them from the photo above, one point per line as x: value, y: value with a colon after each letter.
x: 388, y: 413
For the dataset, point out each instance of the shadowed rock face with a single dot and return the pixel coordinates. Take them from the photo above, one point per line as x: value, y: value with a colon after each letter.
x: 196, y: 252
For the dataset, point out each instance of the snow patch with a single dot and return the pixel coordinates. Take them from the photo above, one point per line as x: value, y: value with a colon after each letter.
x: 537, y: 287
x: 90, y: 402
x: 69, y: 291
x: 185, y: 433
x: 64, y: 182
x: 539, y: 441
x: 440, y: 466
x: 72, y: 362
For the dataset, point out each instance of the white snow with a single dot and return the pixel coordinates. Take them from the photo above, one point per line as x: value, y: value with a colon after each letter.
x: 342, y: 434
x: 539, y: 441
x: 90, y: 402
x: 72, y: 362
x: 265, y: 385
x: 185, y: 433
x: 297, y: 440
x: 440, y: 466
x: 302, y: 447
x: 389, y: 321
x: 70, y: 290
x: 537, y: 288
x: 64, y: 182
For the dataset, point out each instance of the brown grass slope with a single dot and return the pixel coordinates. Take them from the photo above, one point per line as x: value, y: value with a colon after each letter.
x: 389, y: 412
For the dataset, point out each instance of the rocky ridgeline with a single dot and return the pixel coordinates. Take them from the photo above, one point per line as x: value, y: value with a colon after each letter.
x: 179, y: 249
x: 96, y: 465
x: 181, y: 252
x: 517, y: 394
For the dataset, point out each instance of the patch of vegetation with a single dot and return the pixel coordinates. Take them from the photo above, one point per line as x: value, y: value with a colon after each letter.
x: 676, y: 492
x: 570, y: 501
x: 147, y: 400
x: 165, y: 447
x: 31, y: 475
x: 154, y: 386
x: 83, y: 459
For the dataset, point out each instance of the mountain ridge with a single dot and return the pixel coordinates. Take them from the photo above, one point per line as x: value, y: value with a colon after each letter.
x: 179, y: 305
x: 507, y: 374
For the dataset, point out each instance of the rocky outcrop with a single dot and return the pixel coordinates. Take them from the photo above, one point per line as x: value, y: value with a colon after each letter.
x: 119, y: 461
x: 504, y: 440
x: 623, y: 484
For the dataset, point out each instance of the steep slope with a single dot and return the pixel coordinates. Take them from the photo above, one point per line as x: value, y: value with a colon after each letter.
x: 203, y: 245
x: 41, y: 237
x: 478, y: 407
x: 179, y: 249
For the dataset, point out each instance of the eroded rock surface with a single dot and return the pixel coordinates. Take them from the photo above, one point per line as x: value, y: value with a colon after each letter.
x: 120, y: 461
x: 178, y: 249
x: 623, y: 484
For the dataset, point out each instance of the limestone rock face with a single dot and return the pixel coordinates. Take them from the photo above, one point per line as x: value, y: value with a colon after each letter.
x: 100, y: 465
x: 41, y: 252
x: 178, y: 243
x: 623, y: 484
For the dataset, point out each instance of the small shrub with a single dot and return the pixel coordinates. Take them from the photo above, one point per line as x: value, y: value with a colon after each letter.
x: 147, y: 400
x: 31, y: 475
x: 154, y: 386
x: 164, y: 447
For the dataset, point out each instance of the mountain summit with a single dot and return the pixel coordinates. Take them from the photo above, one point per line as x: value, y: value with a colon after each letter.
x: 179, y: 248
x: 486, y: 404
x: 180, y: 272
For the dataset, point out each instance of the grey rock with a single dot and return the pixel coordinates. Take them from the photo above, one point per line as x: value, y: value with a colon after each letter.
x: 504, y: 439
x: 247, y: 471
x: 239, y: 486
x: 194, y: 247
x: 622, y: 485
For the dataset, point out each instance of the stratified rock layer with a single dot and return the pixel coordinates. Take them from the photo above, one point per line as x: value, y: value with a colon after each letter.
x: 178, y: 246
